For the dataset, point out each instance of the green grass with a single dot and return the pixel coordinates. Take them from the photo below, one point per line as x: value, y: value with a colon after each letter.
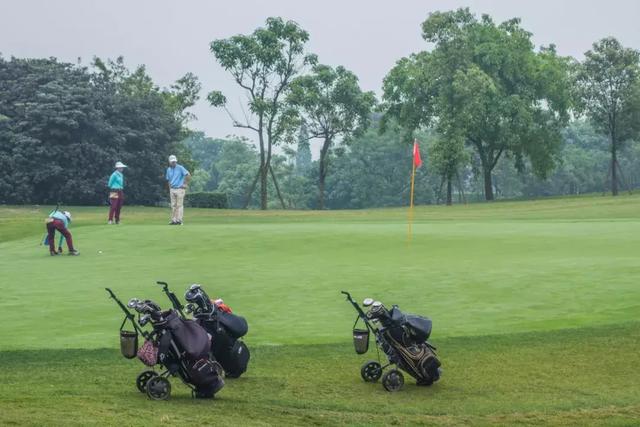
x: 535, y: 308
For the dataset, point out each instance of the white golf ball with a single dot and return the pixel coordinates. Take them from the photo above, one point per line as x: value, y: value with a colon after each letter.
x: 99, y: 252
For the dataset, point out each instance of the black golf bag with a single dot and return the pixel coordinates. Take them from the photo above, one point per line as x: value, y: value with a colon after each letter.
x: 226, y: 347
x: 180, y: 347
x: 183, y: 348
x: 402, y: 338
x: 225, y: 328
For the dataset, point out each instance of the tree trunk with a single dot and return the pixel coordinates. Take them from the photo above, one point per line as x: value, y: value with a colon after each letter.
x: 461, y: 188
x: 263, y: 187
x: 449, y: 191
x: 264, y: 167
x: 322, y: 172
x: 275, y: 182
x: 439, y: 199
x: 488, y: 184
x: 321, y: 193
x: 250, y: 193
x: 488, y: 163
x: 614, y: 162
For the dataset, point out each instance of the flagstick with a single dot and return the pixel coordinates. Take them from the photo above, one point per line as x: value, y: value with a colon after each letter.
x: 409, y: 230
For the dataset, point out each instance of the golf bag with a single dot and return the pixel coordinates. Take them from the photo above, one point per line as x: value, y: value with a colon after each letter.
x: 225, y: 328
x: 183, y: 348
x: 231, y: 352
x: 403, y: 339
x: 179, y: 347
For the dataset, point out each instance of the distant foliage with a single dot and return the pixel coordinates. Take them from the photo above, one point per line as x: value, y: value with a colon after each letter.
x: 375, y: 171
x: 495, y: 115
x: 63, y: 127
x: 212, y: 200
x: 224, y: 165
x: 303, y: 151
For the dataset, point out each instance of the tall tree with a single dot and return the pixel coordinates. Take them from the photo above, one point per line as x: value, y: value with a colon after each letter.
x: 486, y: 83
x: 263, y: 64
x: 608, y: 85
x: 333, y: 107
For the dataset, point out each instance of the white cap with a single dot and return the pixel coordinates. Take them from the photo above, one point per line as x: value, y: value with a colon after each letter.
x: 67, y: 214
x: 172, y: 158
x: 120, y: 165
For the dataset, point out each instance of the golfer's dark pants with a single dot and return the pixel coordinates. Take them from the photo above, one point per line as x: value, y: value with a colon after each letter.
x: 116, y: 205
x: 56, y: 224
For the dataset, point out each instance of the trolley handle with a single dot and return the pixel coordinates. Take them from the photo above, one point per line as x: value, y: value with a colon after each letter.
x: 128, y: 315
x: 355, y: 305
x: 175, y: 302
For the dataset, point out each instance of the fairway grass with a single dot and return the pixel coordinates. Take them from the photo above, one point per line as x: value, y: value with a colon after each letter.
x: 572, y: 377
x: 535, y: 308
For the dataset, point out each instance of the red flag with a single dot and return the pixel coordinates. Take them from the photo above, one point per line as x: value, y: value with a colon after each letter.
x: 417, y: 161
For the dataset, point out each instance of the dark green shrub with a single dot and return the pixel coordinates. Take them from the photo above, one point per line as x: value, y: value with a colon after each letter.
x: 213, y: 200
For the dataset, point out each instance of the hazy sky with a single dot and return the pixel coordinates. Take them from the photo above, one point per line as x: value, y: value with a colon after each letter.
x: 367, y: 37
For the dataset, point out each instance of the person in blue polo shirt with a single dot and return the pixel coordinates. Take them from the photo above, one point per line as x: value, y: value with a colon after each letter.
x: 177, y: 180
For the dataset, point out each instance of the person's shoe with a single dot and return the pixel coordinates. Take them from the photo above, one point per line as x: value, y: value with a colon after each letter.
x: 74, y: 253
x: 172, y: 223
x: 179, y: 223
x: 117, y: 222
x: 110, y: 222
x: 53, y: 253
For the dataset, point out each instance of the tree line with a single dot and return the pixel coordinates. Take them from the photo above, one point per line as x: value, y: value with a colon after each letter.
x: 496, y: 117
x: 63, y: 126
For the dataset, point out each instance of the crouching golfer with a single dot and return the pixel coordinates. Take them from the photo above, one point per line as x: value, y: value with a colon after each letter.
x: 177, y: 180
x: 59, y: 221
x: 116, y: 193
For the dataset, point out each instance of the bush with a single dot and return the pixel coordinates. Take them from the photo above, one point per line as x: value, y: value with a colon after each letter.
x: 213, y: 200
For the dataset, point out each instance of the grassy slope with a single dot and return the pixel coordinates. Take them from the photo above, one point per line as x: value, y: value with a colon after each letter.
x: 504, y: 268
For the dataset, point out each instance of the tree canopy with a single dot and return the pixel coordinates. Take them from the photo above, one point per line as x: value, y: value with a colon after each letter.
x: 483, y: 82
x: 495, y: 115
x: 263, y: 64
x: 332, y: 106
x: 608, y: 85
x: 64, y: 126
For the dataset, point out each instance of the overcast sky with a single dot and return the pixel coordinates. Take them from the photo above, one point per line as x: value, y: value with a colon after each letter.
x: 172, y: 37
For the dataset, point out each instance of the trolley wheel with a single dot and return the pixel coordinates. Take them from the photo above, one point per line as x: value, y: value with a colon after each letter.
x: 143, y: 378
x: 158, y: 388
x: 371, y: 371
x: 220, y: 370
x: 392, y: 380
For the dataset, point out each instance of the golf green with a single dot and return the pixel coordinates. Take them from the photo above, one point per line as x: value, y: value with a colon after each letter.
x: 504, y: 283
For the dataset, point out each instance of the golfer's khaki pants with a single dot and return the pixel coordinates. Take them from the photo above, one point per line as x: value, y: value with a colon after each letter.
x: 177, y: 201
